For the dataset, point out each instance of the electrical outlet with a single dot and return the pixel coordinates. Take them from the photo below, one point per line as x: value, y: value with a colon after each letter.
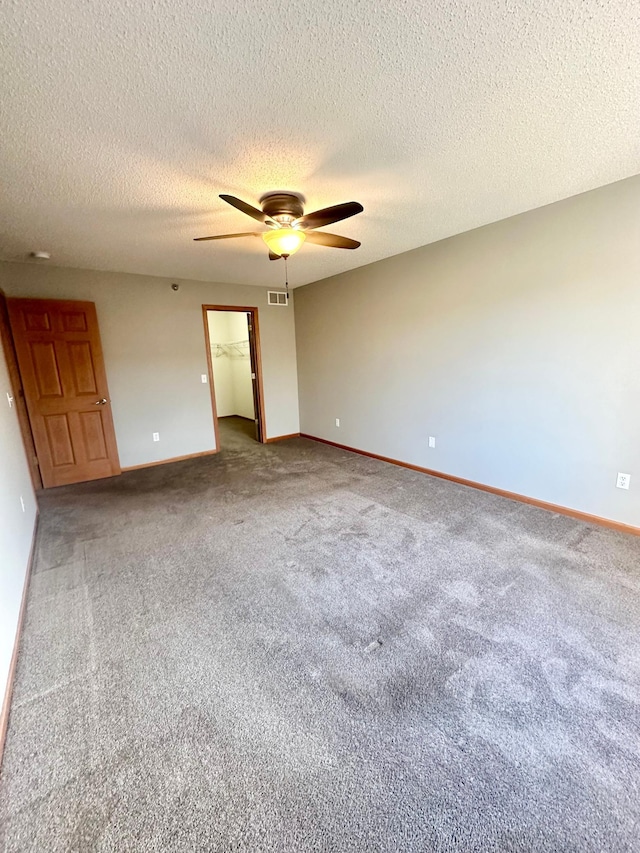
x: 623, y: 481
x: 203, y: 378
x: 338, y: 422
x: 22, y: 504
x: 156, y: 436
x: 432, y: 441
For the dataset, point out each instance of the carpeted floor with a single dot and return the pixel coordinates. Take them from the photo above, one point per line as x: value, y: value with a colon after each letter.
x: 294, y: 648
x: 236, y: 433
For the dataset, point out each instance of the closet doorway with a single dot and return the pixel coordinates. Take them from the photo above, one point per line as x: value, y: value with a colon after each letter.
x: 232, y: 337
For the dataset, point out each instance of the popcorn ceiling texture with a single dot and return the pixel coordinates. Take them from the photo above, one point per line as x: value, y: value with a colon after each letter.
x: 123, y: 121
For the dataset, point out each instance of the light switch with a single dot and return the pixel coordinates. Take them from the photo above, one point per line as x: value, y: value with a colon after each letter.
x: 203, y: 377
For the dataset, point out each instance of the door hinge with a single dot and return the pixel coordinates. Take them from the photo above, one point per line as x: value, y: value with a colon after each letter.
x: 36, y: 462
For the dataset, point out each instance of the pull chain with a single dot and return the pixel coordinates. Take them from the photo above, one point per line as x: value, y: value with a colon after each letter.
x: 286, y: 276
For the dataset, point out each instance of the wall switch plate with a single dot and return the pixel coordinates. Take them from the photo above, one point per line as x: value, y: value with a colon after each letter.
x: 22, y: 504
x: 156, y: 436
x: 337, y: 421
x: 203, y: 378
x: 10, y: 400
x: 623, y: 481
x: 432, y: 441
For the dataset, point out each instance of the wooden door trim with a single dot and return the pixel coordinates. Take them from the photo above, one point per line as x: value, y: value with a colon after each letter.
x: 15, y: 380
x: 247, y: 309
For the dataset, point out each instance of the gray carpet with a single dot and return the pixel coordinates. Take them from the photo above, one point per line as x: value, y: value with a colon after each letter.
x: 294, y: 648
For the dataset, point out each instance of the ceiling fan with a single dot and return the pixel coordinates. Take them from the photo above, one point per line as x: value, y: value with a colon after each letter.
x: 288, y: 225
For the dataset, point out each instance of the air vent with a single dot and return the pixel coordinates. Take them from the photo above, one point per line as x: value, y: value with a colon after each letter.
x: 277, y: 297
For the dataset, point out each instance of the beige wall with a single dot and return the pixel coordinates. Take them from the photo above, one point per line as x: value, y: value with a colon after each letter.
x: 16, y: 524
x: 155, y: 354
x: 516, y: 345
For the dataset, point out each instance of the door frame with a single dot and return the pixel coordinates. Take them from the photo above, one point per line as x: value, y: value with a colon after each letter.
x: 246, y: 309
x: 15, y: 379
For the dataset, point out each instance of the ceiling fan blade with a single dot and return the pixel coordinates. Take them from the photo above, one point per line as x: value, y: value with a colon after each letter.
x: 329, y: 214
x: 226, y: 236
x: 273, y: 257
x: 246, y: 208
x: 321, y: 238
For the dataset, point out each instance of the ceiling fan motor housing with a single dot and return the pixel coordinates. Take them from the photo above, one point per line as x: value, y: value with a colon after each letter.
x: 282, y: 207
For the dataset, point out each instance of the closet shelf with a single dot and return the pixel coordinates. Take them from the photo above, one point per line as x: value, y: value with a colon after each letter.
x: 232, y: 349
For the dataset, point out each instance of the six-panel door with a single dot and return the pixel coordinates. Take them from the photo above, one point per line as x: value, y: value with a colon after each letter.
x: 65, y: 386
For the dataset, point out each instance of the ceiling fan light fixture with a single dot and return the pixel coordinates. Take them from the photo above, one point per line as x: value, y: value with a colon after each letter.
x: 284, y: 241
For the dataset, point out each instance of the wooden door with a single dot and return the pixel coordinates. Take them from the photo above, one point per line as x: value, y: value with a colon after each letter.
x: 254, y: 375
x: 65, y: 385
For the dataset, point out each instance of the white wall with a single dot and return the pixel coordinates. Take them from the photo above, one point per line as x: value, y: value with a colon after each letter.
x: 241, y: 367
x: 16, y: 526
x: 232, y: 370
x: 516, y: 345
x: 222, y: 376
x: 154, y: 345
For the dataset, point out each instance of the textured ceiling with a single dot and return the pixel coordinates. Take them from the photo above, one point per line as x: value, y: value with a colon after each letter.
x: 122, y: 121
